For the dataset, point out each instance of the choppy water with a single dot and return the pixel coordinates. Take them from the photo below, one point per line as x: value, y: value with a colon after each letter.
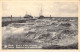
x: 39, y: 28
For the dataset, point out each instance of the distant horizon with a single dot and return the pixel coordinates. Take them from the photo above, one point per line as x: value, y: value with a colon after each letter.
x: 44, y: 16
x: 39, y: 16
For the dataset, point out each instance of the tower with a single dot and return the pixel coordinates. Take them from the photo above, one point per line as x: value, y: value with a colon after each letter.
x: 11, y: 18
x: 11, y: 15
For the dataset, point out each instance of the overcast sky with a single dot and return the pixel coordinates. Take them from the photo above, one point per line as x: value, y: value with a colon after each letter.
x: 56, y: 9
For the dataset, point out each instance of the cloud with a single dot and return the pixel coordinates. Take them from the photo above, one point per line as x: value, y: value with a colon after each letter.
x: 19, y: 8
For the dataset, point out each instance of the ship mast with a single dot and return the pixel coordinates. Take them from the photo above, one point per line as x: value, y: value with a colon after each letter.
x: 41, y: 11
x: 26, y: 12
x: 41, y: 14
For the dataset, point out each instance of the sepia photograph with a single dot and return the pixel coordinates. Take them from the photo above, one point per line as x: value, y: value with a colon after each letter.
x: 39, y: 25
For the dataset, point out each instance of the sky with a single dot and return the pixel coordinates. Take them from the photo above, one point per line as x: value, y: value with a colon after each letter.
x: 55, y: 9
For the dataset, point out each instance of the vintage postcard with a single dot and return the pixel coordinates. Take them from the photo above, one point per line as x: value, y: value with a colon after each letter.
x: 39, y: 24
